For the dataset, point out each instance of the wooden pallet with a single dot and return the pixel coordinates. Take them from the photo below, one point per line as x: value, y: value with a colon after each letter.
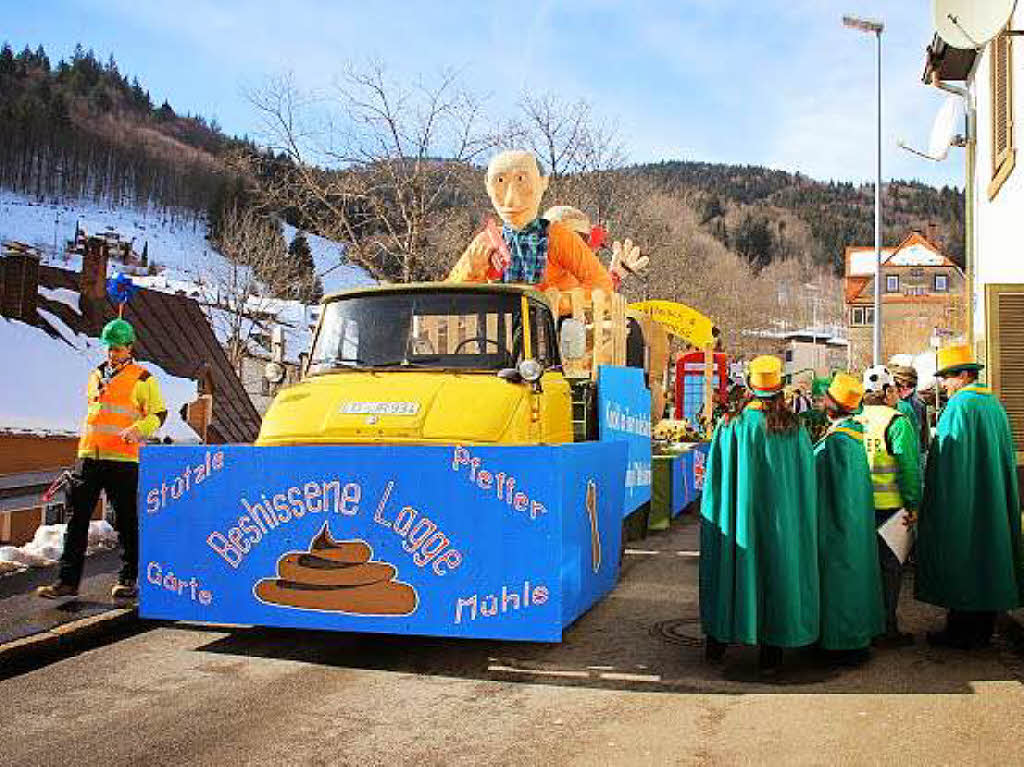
x: 604, y: 317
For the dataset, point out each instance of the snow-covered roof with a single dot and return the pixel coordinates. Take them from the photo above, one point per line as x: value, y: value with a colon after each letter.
x: 917, y: 254
x: 915, y: 250
x: 862, y: 261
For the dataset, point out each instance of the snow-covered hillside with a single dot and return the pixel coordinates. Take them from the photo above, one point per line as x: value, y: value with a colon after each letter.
x: 184, y: 258
x: 331, y: 266
x: 181, y: 248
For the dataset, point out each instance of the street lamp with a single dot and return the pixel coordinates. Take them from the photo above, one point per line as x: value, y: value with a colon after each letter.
x: 875, y: 28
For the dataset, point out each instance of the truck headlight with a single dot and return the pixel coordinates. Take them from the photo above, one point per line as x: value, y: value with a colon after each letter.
x: 530, y: 370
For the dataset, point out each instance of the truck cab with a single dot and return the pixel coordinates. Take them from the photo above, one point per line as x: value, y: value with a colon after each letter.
x: 432, y: 363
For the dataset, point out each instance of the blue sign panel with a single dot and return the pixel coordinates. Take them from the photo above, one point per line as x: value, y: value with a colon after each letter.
x: 499, y: 542
x: 624, y: 415
x: 688, y: 477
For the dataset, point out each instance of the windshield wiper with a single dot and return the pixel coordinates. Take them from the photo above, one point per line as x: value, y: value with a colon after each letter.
x: 422, y: 359
x: 336, y: 363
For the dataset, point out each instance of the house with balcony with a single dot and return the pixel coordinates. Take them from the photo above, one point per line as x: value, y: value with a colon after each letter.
x: 922, y: 298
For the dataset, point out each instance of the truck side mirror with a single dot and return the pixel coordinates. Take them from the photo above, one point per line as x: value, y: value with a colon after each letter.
x: 572, y: 339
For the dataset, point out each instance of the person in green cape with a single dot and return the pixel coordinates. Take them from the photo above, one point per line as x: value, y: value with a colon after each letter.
x: 969, y: 532
x: 759, y: 531
x: 851, y: 584
x: 814, y: 419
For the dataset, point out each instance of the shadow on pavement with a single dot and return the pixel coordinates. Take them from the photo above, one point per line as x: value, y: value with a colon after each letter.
x: 644, y: 637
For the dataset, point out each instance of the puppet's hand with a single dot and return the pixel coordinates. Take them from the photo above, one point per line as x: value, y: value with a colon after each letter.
x: 626, y: 258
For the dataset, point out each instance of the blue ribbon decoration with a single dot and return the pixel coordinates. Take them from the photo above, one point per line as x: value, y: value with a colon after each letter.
x: 120, y: 288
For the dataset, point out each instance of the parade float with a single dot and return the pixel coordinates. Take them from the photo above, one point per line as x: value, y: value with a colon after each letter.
x: 457, y: 460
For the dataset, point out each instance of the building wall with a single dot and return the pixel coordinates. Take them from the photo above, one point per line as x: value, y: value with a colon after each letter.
x: 907, y: 328
x: 21, y: 453
x: 908, y: 322
x: 257, y: 387
x: 997, y: 224
x: 821, y: 357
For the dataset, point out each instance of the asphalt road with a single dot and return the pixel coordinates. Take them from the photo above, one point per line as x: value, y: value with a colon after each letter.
x: 626, y: 686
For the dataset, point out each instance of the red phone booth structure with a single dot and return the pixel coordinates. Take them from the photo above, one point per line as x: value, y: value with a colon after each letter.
x: 691, y: 373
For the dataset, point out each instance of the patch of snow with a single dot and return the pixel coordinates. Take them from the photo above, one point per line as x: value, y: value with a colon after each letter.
x: 331, y: 264
x: 47, y: 544
x: 916, y: 255
x: 862, y: 261
x: 55, y: 322
x: 62, y: 296
x: 178, y: 245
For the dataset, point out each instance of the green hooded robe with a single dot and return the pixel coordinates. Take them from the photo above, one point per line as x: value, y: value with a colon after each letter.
x: 852, y: 610
x: 969, y: 533
x: 759, y: 536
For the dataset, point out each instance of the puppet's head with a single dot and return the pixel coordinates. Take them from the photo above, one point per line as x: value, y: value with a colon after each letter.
x: 515, y: 186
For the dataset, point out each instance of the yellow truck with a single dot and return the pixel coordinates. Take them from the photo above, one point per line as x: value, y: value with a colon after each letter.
x: 440, y: 469
x: 474, y: 364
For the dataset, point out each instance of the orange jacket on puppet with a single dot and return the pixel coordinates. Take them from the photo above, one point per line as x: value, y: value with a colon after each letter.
x: 570, y: 263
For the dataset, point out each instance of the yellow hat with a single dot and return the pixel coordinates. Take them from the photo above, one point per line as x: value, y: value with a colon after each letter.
x: 955, y: 359
x: 765, y: 376
x: 846, y: 391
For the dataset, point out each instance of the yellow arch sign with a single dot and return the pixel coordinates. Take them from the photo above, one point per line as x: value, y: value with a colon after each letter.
x: 680, y: 320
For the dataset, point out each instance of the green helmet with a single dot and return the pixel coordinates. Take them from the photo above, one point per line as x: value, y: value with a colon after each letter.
x: 117, y: 333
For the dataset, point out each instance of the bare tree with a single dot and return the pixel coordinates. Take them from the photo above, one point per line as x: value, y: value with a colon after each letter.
x: 238, y: 302
x: 579, y: 153
x: 376, y: 165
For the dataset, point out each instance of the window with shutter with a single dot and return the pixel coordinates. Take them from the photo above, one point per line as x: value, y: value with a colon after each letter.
x: 1005, y: 352
x: 1001, y: 87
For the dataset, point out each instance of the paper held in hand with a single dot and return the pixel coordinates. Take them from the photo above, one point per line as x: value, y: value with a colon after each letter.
x: 898, y: 535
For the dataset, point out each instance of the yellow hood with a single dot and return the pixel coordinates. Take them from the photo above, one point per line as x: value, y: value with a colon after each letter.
x: 392, y: 406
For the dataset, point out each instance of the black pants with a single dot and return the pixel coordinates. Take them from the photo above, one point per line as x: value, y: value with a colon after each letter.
x: 892, y: 580
x: 973, y: 626
x: 120, y: 481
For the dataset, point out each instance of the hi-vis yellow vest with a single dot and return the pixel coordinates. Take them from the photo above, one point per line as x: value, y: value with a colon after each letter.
x: 884, y: 470
x: 109, y: 414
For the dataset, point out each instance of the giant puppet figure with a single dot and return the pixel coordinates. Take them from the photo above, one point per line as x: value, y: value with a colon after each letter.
x: 528, y: 249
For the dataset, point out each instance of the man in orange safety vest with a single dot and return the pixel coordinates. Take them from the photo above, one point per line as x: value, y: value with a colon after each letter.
x: 125, y: 407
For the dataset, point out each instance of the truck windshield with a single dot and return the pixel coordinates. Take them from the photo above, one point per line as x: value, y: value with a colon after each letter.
x: 443, y: 329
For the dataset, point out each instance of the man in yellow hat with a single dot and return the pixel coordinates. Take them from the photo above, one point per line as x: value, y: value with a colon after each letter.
x: 852, y: 613
x: 759, y: 531
x: 124, y: 407
x: 969, y: 537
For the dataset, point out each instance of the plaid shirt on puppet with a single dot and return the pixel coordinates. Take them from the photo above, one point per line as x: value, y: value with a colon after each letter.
x: 529, y: 250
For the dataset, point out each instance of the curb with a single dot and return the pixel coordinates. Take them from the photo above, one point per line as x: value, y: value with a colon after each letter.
x: 36, y: 649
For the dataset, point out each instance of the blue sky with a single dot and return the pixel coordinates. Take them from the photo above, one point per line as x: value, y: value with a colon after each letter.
x: 763, y: 82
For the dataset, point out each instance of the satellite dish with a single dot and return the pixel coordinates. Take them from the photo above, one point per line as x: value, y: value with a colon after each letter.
x: 945, y: 128
x: 970, y: 23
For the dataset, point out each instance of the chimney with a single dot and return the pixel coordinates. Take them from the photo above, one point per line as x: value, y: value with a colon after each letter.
x: 19, y: 282
x: 931, y: 231
x: 94, y: 270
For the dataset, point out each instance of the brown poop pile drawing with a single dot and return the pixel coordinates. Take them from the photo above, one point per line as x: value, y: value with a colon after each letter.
x: 337, y: 576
